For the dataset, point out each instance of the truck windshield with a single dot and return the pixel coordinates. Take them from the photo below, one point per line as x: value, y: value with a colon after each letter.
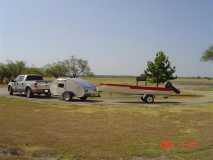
x: 34, y: 78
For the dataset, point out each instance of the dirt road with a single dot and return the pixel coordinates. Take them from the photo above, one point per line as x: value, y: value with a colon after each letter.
x: 3, y: 91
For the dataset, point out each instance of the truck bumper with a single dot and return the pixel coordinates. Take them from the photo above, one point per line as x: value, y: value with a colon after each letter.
x: 41, y: 91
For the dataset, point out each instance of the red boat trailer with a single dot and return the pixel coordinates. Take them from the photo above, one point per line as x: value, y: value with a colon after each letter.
x: 147, y: 93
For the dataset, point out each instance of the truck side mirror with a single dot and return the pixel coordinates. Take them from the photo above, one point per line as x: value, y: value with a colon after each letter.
x: 13, y: 80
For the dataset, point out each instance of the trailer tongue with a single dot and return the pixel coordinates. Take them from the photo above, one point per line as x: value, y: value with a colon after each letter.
x: 148, y: 93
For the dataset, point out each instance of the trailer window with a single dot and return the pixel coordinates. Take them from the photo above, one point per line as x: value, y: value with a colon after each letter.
x: 60, y: 85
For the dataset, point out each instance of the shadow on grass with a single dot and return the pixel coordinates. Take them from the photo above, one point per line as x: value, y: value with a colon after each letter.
x: 138, y: 102
x: 187, y: 96
x: 86, y: 101
x: 40, y: 97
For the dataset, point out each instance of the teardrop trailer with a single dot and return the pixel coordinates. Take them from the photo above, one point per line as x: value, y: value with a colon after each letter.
x: 147, y: 93
x: 67, y: 88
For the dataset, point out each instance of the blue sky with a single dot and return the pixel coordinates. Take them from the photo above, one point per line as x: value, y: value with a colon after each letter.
x: 115, y: 36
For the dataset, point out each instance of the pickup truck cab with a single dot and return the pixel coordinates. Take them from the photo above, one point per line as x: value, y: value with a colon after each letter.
x: 29, y: 85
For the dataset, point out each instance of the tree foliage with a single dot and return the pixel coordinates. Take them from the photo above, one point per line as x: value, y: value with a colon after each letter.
x: 77, y: 67
x: 56, y: 70
x: 160, y: 70
x: 11, y: 69
x: 3, y: 72
x: 34, y: 70
x: 15, y: 68
x: 208, y: 54
x: 72, y: 67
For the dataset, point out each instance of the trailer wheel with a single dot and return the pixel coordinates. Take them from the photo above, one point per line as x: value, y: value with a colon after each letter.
x: 149, y: 99
x: 84, y: 98
x: 67, y: 96
x: 48, y: 95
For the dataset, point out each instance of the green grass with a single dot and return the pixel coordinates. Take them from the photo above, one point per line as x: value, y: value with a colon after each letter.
x: 193, y: 81
x: 93, y: 132
x: 68, y: 131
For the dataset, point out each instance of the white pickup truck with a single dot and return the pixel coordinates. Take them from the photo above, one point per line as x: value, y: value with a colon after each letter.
x: 29, y: 85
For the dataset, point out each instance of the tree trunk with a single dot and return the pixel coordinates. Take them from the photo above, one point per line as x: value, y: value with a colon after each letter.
x: 157, y: 81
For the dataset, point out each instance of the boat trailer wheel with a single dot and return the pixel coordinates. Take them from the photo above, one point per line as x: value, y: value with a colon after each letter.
x: 148, y: 99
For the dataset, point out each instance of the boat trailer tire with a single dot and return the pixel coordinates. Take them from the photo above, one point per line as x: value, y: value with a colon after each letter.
x: 67, y: 96
x: 148, y: 99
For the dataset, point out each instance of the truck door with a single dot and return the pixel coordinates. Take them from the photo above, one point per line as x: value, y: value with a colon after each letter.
x: 20, y: 84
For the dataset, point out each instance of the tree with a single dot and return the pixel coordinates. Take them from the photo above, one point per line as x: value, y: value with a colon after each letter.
x: 77, y: 67
x: 3, y: 71
x: 160, y: 70
x: 73, y: 67
x: 11, y: 69
x: 56, y: 70
x: 14, y: 69
x: 208, y: 54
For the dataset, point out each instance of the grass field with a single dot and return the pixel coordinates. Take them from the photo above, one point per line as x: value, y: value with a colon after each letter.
x: 66, y: 131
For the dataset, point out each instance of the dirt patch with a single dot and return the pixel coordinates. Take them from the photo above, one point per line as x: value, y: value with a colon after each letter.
x: 145, y: 158
x: 46, y: 158
x: 8, y: 152
x: 46, y: 155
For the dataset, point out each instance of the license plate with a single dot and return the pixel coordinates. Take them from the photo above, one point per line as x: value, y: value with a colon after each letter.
x: 46, y: 91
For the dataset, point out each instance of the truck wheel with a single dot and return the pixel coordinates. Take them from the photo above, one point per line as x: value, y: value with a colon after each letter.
x: 149, y: 99
x: 67, y: 96
x: 84, y: 98
x: 10, y: 89
x: 29, y: 93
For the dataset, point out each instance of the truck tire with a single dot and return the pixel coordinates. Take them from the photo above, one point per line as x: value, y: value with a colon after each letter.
x: 29, y: 93
x: 149, y: 99
x: 67, y: 96
x: 10, y: 90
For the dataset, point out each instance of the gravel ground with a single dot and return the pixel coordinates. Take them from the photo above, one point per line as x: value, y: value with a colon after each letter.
x: 202, y: 97
x: 3, y: 91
